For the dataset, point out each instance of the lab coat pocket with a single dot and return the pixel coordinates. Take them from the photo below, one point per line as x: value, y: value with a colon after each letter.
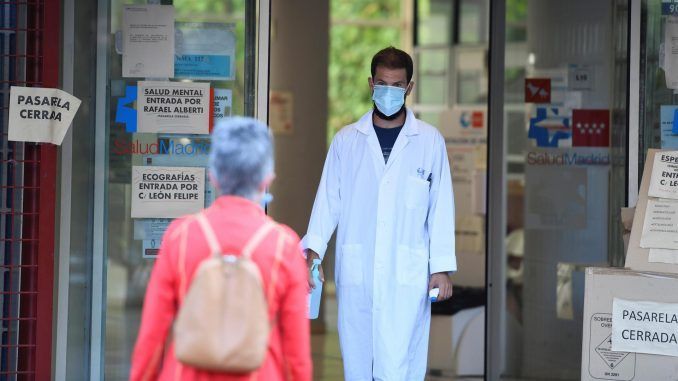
x: 412, y: 266
x: 417, y: 193
x: 351, y: 265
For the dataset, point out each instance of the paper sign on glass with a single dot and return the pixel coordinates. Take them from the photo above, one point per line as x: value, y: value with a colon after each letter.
x: 645, y: 327
x: 148, y: 41
x: 40, y: 115
x: 663, y: 256
x: 167, y: 192
x: 173, y: 107
x: 660, y: 228
x: 664, y: 180
x: 671, y: 52
x: 667, y: 116
x: 205, y: 51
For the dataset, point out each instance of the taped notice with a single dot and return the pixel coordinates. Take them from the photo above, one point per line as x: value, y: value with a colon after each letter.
x: 645, y: 327
x: 173, y: 107
x: 604, y: 363
x: 167, y: 192
x: 664, y: 180
x: 663, y: 256
x: 40, y: 115
x: 660, y: 228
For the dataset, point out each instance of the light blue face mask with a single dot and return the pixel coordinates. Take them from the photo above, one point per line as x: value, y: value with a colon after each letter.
x: 389, y: 99
x: 266, y: 198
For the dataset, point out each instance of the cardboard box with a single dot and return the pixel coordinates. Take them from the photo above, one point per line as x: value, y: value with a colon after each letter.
x: 599, y: 362
x: 637, y: 257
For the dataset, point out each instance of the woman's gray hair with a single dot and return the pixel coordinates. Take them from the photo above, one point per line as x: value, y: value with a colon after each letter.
x: 241, y: 156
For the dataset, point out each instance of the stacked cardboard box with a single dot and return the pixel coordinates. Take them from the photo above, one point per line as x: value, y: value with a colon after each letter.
x: 644, y: 285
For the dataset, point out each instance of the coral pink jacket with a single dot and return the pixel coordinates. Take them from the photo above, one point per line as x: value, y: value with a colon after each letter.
x: 234, y: 220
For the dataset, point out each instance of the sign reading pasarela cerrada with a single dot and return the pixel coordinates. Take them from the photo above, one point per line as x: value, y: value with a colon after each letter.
x: 173, y: 107
x: 167, y: 192
x: 40, y: 115
x: 645, y: 327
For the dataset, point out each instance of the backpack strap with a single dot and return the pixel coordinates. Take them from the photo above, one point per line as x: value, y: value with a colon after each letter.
x: 256, y: 239
x: 208, y: 232
x: 250, y: 246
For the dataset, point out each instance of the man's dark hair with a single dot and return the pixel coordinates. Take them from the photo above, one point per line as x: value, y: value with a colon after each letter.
x: 393, y: 58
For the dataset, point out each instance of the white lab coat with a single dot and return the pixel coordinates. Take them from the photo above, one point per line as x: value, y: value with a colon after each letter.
x: 394, y: 229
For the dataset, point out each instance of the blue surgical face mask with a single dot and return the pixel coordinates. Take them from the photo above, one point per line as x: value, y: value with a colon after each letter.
x: 389, y: 99
x: 266, y: 198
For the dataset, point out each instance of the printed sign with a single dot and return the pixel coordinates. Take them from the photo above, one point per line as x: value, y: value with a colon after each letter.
x: 580, y: 77
x: 173, y: 107
x: 669, y: 7
x: 223, y: 104
x: 668, y: 116
x: 664, y: 180
x: 645, y: 327
x: 205, y: 51
x: 605, y: 363
x: 550, y: 128
x: 537, y: 90
x: 590, y: 128
x: 125, y: 113
x: 40, y: 115
x: 281, y: 112
x: 148, y: 41
x: 167, y: 192
x: 660, y: 228
x: 464, y: 125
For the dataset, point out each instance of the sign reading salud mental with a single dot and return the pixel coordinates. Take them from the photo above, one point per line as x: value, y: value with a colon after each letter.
x: 167, y: 192
x: 173, y: 107
x: 645, y: 327
x: 40, y: 115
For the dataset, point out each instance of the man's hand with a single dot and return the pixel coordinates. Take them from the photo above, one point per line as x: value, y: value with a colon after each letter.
x: 443, y: 283
x: 310, y: 256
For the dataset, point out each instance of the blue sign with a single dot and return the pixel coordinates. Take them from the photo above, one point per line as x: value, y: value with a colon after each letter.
x: 548, y: 128
x: 202, y: 66
x: 125, y: 113
x: 669, y: 7
x: 668, y: 126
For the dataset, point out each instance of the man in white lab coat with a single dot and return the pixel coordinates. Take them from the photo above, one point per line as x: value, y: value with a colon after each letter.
x: 386, y: 184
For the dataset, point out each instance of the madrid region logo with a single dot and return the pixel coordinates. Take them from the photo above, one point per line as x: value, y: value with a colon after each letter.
x: 126, y: 114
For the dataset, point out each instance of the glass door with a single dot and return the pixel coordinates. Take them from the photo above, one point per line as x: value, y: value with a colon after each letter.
x: 557, y: 176
x: 214, y: 75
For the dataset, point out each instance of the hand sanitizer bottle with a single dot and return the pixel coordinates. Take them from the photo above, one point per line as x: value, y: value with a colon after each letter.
x: 316, y: 293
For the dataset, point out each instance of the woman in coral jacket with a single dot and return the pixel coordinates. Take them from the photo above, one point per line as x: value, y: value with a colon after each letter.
x: 241, y: 168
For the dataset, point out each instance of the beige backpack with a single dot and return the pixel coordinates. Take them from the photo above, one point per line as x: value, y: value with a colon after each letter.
x: 223, y: 322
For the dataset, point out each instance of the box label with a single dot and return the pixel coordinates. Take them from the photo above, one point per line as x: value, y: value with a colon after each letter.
x: 645, y: 327
x: 605, y: 363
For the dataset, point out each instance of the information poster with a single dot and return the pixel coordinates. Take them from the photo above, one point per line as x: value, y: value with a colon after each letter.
x: 660, y: 228
x: 645, y: 327
x: 167, y: 192
x: 663, y: 256
x: 671, y: 52
x: 173, y: 107
x: 205, y: 51
x: 281, y: 112
x: 667, y: 119
x: 223, y: 104
x: 148, y: 41
x: 40, y: 115
x: 664, y: 180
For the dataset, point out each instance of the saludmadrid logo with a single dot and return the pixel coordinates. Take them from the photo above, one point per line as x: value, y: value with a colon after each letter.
x: 567, y: 158
x: 161, y: 147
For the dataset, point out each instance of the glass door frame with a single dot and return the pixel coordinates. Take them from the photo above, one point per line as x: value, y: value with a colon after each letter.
x: 257, y: 20
x: 495, y: 317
